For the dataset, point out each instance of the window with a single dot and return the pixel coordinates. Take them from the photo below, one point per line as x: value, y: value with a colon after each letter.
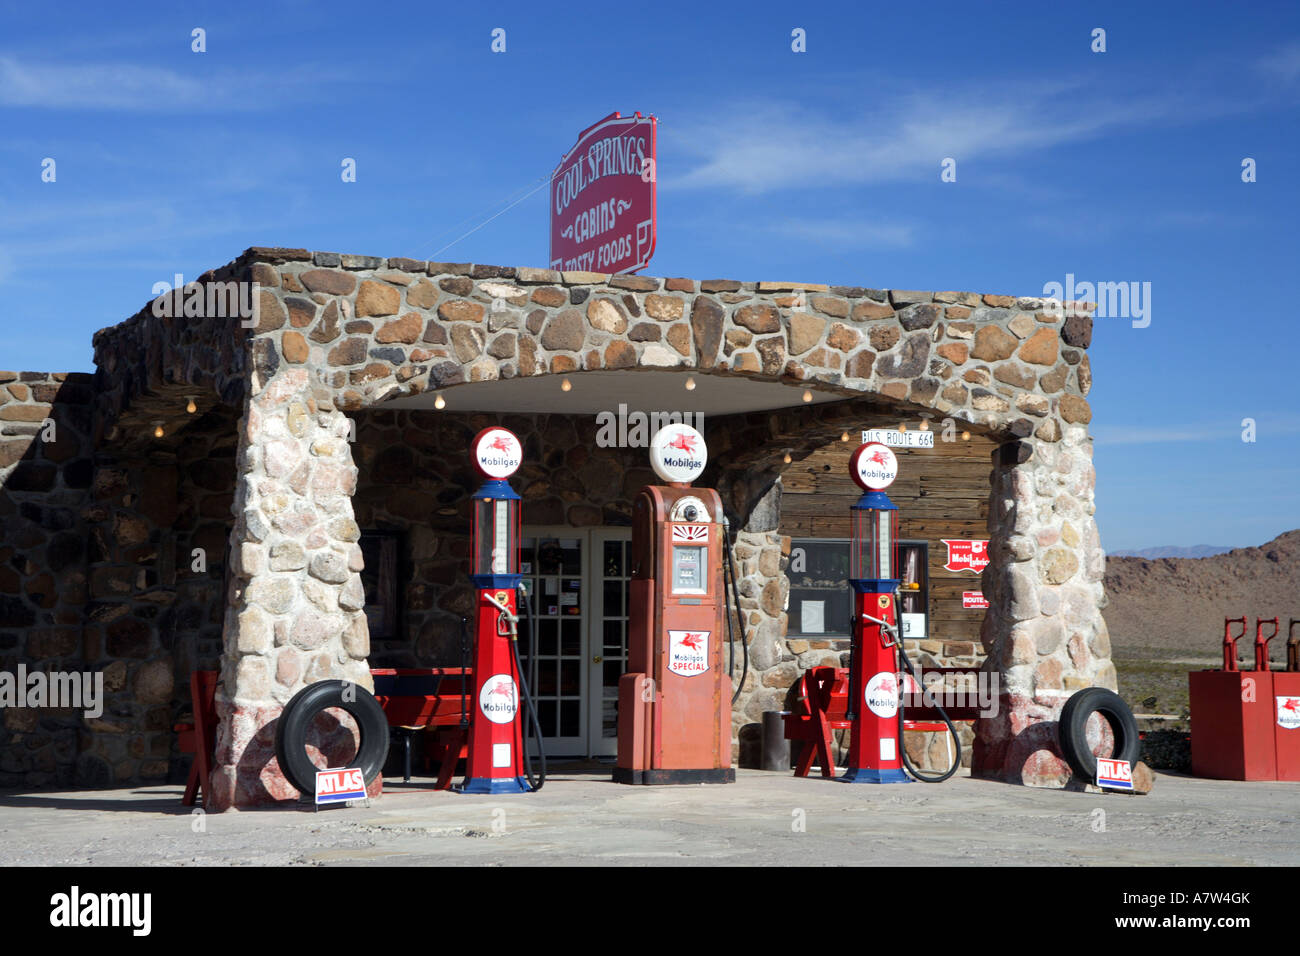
x: 819, y: 587
x: 820, y: 601
x: 381, y: 551
x: 914, y: 588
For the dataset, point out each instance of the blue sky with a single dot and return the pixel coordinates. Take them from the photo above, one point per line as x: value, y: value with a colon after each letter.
x: 820, y: 166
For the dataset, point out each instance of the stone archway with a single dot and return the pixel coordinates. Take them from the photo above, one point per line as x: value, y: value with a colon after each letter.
x: 338, y: 333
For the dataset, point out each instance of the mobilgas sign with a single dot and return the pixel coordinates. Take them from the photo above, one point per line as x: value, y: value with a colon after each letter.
x: 881, y: 694
x: 678, y: 454
x: 873, y: 466
x: 498, y: 699
x: 688, y: 652
x: 497, y: 452
x: 603, y: 198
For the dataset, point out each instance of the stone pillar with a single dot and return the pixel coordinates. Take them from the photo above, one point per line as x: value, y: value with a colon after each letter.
x: 1043, y: 631
x: 294, y: 612
x: 763, y: 588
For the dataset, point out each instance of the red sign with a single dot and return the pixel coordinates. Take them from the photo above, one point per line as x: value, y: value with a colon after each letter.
x: 333, y: 786
x: 967, y: 555
x: 975, y: 599
x: 603, y: 198
x: 1115, y: 774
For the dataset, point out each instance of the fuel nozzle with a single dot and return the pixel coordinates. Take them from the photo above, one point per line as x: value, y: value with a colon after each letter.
x: 511, y: 619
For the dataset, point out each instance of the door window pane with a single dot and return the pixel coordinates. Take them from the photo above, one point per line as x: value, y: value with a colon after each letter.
x: 570, y: 718
x: 570, y: 678
x: 546, y: 716
x: 613, y: 594
x: 612, y: 566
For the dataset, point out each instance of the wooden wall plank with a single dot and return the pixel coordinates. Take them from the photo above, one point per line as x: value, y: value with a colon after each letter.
x: 941, y: 493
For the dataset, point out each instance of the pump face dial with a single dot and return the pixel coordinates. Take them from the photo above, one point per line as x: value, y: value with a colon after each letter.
x: 689, y: 508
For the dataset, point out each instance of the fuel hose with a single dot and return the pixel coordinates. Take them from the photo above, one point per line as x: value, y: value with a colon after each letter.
x: 536, y: 783
x: 730, y: 562
x: 928, y: 698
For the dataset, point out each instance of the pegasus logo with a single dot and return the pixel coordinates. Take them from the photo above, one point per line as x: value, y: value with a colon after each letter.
x: 880, y: 457
x: 502, y: 689
x: 692, y: 641
x: 684, y: 441
x: 1292, y: 704
x: 501, y: 443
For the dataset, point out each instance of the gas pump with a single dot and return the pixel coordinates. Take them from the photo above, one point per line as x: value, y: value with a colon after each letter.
x: 873, y: 671
x: 674, y: 708
x: 876, y: 753
x: 497, y: 759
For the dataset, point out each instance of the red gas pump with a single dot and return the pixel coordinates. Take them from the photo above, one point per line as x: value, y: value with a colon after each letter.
x: 1232, y: 712
x: 1230, y: 641
x: 496, y: 762
x: 876, y: 744
x: 674, y: 713
x: 1261, y: 642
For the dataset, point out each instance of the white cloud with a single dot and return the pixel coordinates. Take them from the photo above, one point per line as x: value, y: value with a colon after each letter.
x: 1284, y: 63
x: 128, y: 87
x: 1187, y: 432
x: 862, y: 233
x: 96, y: 86
x: 776, y: 145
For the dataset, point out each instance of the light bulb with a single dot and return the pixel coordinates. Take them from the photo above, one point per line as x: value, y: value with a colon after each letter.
x: 965, y: 436
x: 690, y: 383
x: 924, y: 426
x: 844, y: 436
x: 565, y: 385
x: 787, y: 459
x: 807, y: 395
x: 192, y: 407
x: 902, y: 427
x: 157, y: 430
x: 439, y: 402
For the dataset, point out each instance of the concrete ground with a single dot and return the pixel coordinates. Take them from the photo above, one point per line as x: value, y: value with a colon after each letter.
x: 763, y: 819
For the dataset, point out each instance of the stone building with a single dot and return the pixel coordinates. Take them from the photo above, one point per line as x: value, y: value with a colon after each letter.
x: 284, y: 495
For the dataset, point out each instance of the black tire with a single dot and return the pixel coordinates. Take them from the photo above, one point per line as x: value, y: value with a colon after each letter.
x: 1072, y: 730
x: 297, y: 717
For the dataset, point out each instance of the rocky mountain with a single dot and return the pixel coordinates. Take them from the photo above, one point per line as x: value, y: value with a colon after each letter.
x: 1174, y: 551
x: 1173, y: 608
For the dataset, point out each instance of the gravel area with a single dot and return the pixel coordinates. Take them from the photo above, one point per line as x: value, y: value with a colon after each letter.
x: 763, y: 819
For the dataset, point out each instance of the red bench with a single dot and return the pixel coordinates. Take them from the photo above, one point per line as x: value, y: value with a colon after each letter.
x: 200, y: 737
x: 429, y: 699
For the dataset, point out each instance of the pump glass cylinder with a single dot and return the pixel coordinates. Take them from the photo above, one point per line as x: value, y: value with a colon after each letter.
x: 873, y: 549
x: 496, y: 527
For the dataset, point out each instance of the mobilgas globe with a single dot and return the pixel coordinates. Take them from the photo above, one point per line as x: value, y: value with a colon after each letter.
x: 678, y: 453
x: 497, y: 452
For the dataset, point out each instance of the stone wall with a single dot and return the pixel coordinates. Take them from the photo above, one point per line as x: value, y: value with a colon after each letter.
x: 45, y: 476
x: 338, y: 333
x: 95, y: 551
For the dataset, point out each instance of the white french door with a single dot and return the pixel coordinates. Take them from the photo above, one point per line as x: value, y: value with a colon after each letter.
x: 578, y: 584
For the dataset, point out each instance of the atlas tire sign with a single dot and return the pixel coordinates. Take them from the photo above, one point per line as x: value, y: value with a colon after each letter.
x: 603, y: 198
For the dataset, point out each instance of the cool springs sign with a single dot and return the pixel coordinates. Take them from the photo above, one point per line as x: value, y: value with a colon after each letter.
x: 603, y: 198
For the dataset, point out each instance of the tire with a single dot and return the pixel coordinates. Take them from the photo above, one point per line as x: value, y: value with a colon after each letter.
x: 1072, y: 730
x: 297, y: 717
